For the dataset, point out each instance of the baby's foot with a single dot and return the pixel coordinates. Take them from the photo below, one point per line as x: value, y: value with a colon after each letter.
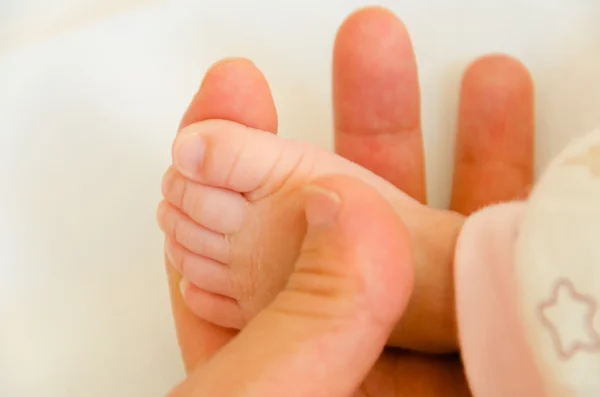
x: 235, y: 223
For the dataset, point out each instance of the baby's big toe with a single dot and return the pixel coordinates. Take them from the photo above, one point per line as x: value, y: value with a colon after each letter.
x: 231, y: 156
x: 216, y: 209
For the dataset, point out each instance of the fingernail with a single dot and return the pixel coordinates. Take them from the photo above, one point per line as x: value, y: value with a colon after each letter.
x: 322, y: 206
x: 189, y: 154
x: 183, y: 286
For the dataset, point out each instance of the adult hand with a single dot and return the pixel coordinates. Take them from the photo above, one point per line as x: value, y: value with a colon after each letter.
x: 324, y: 331
x: 377, y: 125
x: 376, y: 102
x: 377, y: 119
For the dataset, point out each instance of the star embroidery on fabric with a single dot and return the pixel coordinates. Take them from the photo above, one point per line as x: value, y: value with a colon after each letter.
x: 591, y: 160
x: 569, y: 317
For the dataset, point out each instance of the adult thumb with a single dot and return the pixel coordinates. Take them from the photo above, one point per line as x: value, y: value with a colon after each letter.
x: 325, y: 330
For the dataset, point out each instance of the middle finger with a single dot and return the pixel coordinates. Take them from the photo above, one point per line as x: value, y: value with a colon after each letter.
x: 376, y: 99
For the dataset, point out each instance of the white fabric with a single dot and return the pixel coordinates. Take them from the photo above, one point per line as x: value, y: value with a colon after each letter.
x: 558, y: 271
x: 86, y: 121
x: 494, y: 350
x: 527, y: 279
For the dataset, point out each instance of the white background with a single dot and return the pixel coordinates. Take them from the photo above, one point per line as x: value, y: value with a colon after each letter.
x: 90, y: 96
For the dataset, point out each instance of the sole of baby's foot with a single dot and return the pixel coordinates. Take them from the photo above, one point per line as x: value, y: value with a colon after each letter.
x: 234, y: 218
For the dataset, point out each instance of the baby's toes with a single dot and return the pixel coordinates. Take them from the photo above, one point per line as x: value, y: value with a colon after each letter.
x: 216, y: 309
x: 213, y: 208
x: 205, y: 273
x: 195, y: 238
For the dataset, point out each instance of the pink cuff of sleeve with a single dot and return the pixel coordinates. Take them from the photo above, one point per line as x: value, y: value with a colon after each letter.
x: 527, y: 281
x: 494, y: 351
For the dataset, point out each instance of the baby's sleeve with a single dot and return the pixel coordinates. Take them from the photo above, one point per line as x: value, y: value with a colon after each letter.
x: 527, y: 280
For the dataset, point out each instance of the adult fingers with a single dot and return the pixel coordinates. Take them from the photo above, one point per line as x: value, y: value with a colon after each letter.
x: 376, y: 99
x: 233, y: 89
x: 494, y: 162
x: 494, y: 152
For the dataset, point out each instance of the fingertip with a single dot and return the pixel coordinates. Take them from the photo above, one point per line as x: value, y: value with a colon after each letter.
x: 227, y: 65
x: 228, y: 88
x: 372, y: 40
x: 368, y: 19
x: 499, y: 73
x: 496, y: 128
x: 376, y: 99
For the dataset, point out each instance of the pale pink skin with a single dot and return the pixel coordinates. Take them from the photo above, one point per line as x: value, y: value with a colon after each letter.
x: 234, y: 219
x: 376, y: 90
